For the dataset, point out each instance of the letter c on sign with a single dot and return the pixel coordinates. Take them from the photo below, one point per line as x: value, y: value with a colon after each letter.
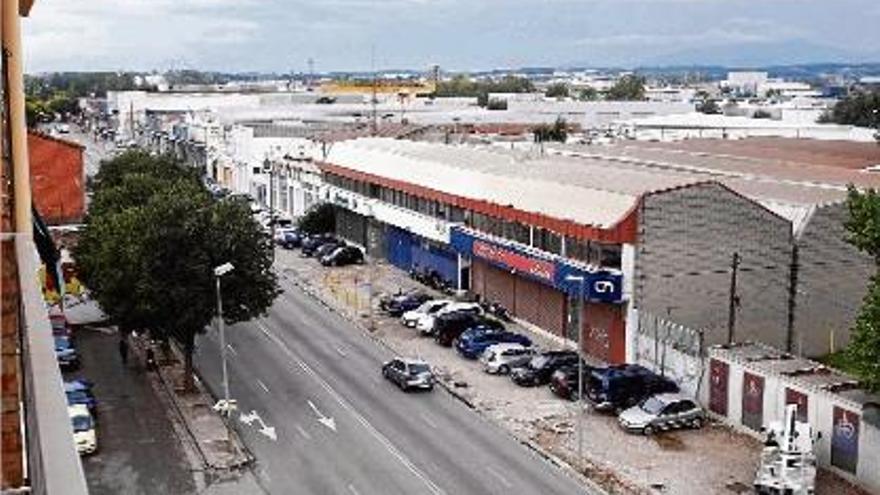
x: 603, y: 287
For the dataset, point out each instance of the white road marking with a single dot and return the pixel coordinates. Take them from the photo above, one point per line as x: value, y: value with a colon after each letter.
x: 231, y: 349
x: 432, y: 487
x: 353, y: 490
x: 340, y: 351
x: 324, y: 420
x: 504, y: 481
x: 303, y: 432
x: 262, y: 385
x: 428, y: 420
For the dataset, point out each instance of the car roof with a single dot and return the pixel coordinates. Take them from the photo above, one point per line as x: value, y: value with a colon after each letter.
x: 78, y: 410
x: 503, y: 346
x: 670, y: 397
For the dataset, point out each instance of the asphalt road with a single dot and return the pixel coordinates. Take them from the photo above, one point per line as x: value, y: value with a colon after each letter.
x: 339, y: 428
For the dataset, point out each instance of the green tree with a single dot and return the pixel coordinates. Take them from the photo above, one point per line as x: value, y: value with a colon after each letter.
x: 860, y: 109
x: 863, y: 227
x: 588, y: 94
x: 557, y: 90
x: 151, y: 243
x: 319, y: 219
x: 556, y: 132
x: 629, y: 87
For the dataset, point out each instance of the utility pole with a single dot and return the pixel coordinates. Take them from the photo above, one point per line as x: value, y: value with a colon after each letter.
x: 734, y: 299
x: 792, y: 298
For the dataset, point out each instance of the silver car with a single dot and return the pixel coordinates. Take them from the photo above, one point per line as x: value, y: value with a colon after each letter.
x: 662, y: 412
x: 501, y: 358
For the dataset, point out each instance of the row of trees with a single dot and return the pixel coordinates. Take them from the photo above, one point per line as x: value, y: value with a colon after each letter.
x: 627, y: 88
x: 462, y: 85
x: 152, y: 238
x: 860, y: 109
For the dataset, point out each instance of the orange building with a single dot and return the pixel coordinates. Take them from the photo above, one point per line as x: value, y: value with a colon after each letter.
x: 57, y: 178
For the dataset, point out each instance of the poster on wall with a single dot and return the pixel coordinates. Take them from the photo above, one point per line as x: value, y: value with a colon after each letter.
x: 753, y: 401
x: 845, y: 440
x: 792, y: 396
x: 718, y: 372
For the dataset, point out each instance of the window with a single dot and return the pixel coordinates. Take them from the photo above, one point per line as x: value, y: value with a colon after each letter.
x: 610, y: 256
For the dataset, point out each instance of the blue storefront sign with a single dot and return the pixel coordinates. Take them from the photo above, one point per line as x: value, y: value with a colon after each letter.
x: 599, y: 285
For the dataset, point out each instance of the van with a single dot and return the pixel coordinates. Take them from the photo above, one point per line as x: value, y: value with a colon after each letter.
x: 620, y: 387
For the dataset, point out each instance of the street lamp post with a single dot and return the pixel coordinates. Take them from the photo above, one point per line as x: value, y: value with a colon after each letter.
x: 218, y: 273
x: 581, y: 280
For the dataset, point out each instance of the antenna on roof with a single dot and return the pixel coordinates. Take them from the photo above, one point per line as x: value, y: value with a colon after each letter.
x: 374, y: 101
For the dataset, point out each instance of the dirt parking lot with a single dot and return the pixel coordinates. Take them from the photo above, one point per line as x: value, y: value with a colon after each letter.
x: 713, y: 460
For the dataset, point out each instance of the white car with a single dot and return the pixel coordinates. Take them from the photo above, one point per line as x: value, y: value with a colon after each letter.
x: 410, y: 318
x: 84, y: 435
x: 501, y: 358
x: 425, y: 323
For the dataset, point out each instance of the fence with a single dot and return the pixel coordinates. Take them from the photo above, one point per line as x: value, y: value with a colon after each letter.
x: 672, y: 350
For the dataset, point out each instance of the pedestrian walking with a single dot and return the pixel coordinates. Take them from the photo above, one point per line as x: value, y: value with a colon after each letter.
x: 123, y: 350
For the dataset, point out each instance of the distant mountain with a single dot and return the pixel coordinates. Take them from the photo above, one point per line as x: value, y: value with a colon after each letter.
x: 758, y: 54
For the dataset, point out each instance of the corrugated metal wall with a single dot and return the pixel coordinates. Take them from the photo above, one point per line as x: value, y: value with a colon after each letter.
x: 541, y: 305
x: 604, y: 332
x: 398, y: 244
x: 687, y: 238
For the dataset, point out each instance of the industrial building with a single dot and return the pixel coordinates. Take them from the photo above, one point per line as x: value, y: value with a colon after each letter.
x: 739, y: 248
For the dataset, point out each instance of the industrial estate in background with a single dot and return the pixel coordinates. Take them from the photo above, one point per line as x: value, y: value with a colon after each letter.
x: 670, y: 250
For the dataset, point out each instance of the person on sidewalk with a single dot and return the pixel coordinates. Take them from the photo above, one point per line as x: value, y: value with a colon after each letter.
x: 123, y: 350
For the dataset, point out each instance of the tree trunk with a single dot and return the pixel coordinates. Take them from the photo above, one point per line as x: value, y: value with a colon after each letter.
x: 188, y: 348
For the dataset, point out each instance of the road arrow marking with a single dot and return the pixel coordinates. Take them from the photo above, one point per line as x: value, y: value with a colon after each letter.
x: 249, y: 419
x: 324, y: 420
x: 269, y: 431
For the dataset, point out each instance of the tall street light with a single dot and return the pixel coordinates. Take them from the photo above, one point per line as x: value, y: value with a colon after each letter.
x: 218, y: 273
x: 581, y: 280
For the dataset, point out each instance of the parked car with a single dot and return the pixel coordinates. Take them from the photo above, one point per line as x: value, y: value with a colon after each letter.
x: 620, y: 387
x: 77, y: 393
x: 59, y: 325
x: 327, y: 248
x: 84, y: 436
x: 451, y: 325
x: 288, y: 238
x: 342, y: 256
x: 409, y: 373
x: 501, y: 358
x: 411, y: 317
x: 411, y: 307
x: 539, y: 369
x: 65, y: 353
x: 564, y: 381
x: 474, y: 341
x: 313, y: 242
x: 662, y: 412
x: 425, y: 324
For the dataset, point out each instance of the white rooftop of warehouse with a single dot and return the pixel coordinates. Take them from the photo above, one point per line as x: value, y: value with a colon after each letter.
x: 600, y: 194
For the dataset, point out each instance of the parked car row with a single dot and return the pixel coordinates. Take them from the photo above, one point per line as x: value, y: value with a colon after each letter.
x: 644, y: 401
x: 326, y: 248
x: 82, y: 406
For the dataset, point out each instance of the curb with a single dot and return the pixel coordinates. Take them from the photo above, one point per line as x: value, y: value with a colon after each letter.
x: 290, y: 275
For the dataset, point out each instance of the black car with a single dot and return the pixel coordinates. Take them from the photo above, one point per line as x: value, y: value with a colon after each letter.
x: 311, y: 243
x: 541, y: 367
x: 564, y: 381
x: 342, y: 256
x: 450, y: 326
x: 619, y: 387
x: 327, y: 248
x: 399, y: 304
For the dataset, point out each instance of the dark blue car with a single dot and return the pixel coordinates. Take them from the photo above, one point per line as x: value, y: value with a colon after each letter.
x: 472, y: 343
x: 398, y: 306
x: 81, y: 396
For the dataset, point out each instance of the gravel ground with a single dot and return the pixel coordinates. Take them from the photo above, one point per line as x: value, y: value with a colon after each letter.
x: 714, y: 460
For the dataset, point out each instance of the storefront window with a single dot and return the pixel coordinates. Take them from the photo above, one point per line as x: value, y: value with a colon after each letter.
x: 611, y: 255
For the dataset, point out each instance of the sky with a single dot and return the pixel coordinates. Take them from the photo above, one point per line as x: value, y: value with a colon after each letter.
x: 281, y: 35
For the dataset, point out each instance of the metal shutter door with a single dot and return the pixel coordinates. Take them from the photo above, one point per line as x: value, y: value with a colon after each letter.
x: 499, y: 287
x: 540, y: 305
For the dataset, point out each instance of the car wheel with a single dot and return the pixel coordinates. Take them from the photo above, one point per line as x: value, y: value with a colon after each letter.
x: 697, y: 423
x: 503, y: 369
x: 648, y: 430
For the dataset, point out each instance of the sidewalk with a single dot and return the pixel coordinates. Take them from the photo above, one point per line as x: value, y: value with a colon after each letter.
x: 713, y: 460
x: 219, y: 450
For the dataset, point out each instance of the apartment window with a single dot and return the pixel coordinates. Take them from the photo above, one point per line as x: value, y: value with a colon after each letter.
x: 548, y: 241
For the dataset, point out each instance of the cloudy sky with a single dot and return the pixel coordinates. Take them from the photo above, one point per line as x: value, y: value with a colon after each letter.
x: 281, y: 35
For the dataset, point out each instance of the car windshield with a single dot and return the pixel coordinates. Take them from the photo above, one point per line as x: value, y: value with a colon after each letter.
x: 419, y: 368
x: 77, y: 395
x: 652, y: 405
x: 82, y: 423
x: 538, y: 362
